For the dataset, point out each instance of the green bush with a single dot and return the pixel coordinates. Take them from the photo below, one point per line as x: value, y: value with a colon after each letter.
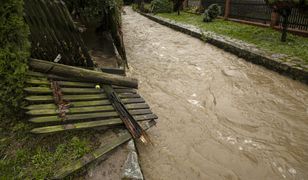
x: 161, y: 6
x: 14, y: 52
x: 211, y: 13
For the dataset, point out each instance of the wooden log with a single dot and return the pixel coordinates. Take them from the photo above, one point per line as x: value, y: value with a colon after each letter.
x: 87, y: 116
x: 84, y: 125
x: 98, y: 153
x: 76, y: 110
x: 85, y: 103
x: 84, y: 74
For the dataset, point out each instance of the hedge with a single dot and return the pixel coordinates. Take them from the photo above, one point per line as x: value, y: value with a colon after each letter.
x: 14, y: 52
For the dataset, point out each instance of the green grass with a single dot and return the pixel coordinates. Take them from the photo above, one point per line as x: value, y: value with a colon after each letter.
x: 28, y: 156
x: 265, y: 39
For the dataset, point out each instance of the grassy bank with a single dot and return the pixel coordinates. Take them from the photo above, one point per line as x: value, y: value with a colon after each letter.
x: 264, y: 38
x: 28, y: 156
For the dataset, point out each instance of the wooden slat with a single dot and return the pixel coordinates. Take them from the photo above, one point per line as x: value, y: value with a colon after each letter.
x: 88, y: 116
x: 105, y: 108
x: 48, y: 99
x: 47, y: 90
x: 98, y: 153
x: 83, y: 125
x: 84, y: 104
x: 44, y: 81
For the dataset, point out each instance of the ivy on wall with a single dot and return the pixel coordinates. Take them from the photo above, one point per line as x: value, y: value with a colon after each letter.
x: 14, y: 52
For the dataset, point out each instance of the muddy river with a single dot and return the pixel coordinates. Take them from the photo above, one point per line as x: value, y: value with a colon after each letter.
x: 220, y: 117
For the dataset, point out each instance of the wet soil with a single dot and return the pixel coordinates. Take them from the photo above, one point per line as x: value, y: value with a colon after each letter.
x: 220, y: 117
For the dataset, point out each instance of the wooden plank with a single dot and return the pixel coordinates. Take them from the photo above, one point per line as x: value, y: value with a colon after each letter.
x: 49, y: 98
x: 85, y: 103
x: 54, y: 110
x: 98, y: 153
x: 47, y: 90
x: 82, y: 125
x: 87, y: 116
x: 65, y: 90
x: 140, y: 111
x: 72, y: 167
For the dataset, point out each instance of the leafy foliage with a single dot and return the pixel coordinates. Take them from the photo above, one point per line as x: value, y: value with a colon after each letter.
x: 14, y: 52
x: 211, y: 13
x: 161, y: 6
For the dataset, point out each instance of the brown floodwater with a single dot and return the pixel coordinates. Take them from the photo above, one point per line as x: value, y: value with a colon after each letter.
x: 220, y: 117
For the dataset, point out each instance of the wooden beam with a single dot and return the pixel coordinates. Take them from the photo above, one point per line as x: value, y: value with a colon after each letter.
x: 80, y: 73
x: 49, y: 98
x: 98, y: 153
x: 76, y: 110
x: 87, y: 116
x: 83, y: 125
x: 85, y: 103
x: 66, y: 90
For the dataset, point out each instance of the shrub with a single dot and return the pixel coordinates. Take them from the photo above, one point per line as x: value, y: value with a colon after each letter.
x: 211, y: 13
x: 14, y: 52
x: 161, y: 6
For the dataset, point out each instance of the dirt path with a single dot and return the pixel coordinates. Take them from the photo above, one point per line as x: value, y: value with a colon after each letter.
x: 220, y: 117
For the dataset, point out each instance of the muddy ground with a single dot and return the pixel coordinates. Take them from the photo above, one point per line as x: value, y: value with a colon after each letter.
x: 220, y: 117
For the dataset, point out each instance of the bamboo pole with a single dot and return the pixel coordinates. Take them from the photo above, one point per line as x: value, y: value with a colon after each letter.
x: 83, y: 74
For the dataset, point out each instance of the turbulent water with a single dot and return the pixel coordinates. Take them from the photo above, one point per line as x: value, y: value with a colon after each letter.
x: 220, y: 117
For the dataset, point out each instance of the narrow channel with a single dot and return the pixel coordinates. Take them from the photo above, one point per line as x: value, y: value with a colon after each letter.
x: 220, y: 117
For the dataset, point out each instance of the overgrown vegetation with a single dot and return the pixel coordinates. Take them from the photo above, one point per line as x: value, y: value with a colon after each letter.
x: 264, y: 38
x: 161, y: 6
x: 14, y: 52
x: 27, y: 156
x: 211, y: 13
x: 24, y: 155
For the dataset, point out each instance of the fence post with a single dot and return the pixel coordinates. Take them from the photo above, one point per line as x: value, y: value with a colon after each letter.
x: 227, y: 9
x: 274, y: 19
x: 185, y: 4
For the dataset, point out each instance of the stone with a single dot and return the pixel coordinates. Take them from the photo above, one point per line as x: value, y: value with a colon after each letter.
x: 131, y: 168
